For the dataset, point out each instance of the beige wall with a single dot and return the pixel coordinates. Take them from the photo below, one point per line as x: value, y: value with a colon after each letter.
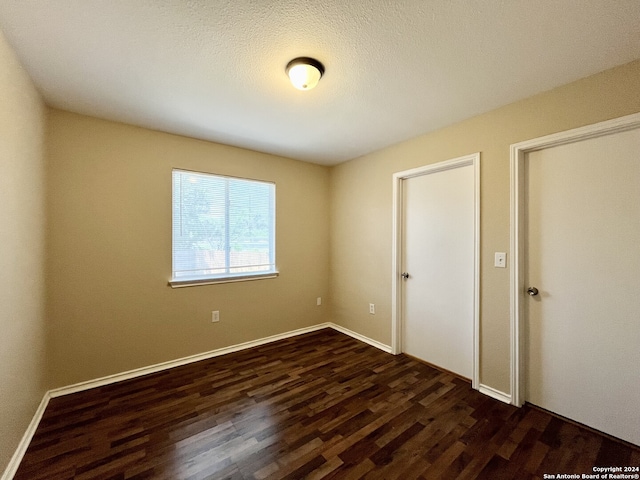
x: 22, y: 227
x: 361, y: 204
x: 109, y: 250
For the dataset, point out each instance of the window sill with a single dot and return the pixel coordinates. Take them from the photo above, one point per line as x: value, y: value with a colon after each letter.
x: 194, y: 282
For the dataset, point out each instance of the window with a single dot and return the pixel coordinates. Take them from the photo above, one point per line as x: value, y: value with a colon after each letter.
x: 223, y: 229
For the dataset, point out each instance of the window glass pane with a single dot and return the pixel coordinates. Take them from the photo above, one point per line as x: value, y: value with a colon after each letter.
x: 222, y: 226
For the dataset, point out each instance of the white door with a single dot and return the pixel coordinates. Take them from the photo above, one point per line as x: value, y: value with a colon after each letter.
x: 439, y: 256
x: 583, y: 255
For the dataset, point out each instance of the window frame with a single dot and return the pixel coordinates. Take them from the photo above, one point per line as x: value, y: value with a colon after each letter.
x: 227, y: 277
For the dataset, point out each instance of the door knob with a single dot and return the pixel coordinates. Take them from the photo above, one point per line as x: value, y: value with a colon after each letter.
x: 404, y: 275
x: 533, y: 291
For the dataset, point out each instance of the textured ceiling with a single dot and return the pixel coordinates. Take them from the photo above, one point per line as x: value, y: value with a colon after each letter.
x: 214, y: 69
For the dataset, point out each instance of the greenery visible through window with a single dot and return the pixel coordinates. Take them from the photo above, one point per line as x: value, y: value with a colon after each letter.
x: 223, y: 228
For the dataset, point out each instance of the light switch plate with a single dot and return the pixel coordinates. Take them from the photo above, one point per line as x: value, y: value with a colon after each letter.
x: 500, y: 260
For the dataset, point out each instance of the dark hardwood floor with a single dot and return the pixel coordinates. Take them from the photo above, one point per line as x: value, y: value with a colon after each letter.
x: 320, y: 405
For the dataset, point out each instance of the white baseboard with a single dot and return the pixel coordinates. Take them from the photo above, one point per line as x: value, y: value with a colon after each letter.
x: 158, y: 367
x: 362, y: 338
x: 493, y: 393
x: 14, y: 463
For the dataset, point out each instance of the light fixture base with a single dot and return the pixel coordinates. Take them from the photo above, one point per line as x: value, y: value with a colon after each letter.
x: 304, y: 72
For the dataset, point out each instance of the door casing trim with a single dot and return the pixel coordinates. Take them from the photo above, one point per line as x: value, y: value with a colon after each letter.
x: 397, y: 243
x: 517, y: 234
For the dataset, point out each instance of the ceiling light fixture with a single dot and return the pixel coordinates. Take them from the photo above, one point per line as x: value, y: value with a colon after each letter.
x: 304, y: 72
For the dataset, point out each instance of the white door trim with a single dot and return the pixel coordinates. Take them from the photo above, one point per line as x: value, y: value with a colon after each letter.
x: 517, y: 287
x: 397, y: 243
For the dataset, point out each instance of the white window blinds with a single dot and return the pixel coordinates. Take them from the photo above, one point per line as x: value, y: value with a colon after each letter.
x: 223, y: 228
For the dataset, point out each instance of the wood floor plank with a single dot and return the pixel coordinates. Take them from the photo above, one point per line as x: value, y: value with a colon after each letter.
x: 316, y: 406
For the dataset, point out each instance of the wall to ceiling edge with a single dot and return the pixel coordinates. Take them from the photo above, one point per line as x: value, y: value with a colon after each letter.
x: 361, y: 204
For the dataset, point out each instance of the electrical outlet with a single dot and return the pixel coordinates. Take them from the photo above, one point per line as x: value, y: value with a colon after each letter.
x: 372, y: 308
x: 215, y: 316
x: 319, y: 301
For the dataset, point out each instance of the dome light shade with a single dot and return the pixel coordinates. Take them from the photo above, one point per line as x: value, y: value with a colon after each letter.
x: 304, y: 72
